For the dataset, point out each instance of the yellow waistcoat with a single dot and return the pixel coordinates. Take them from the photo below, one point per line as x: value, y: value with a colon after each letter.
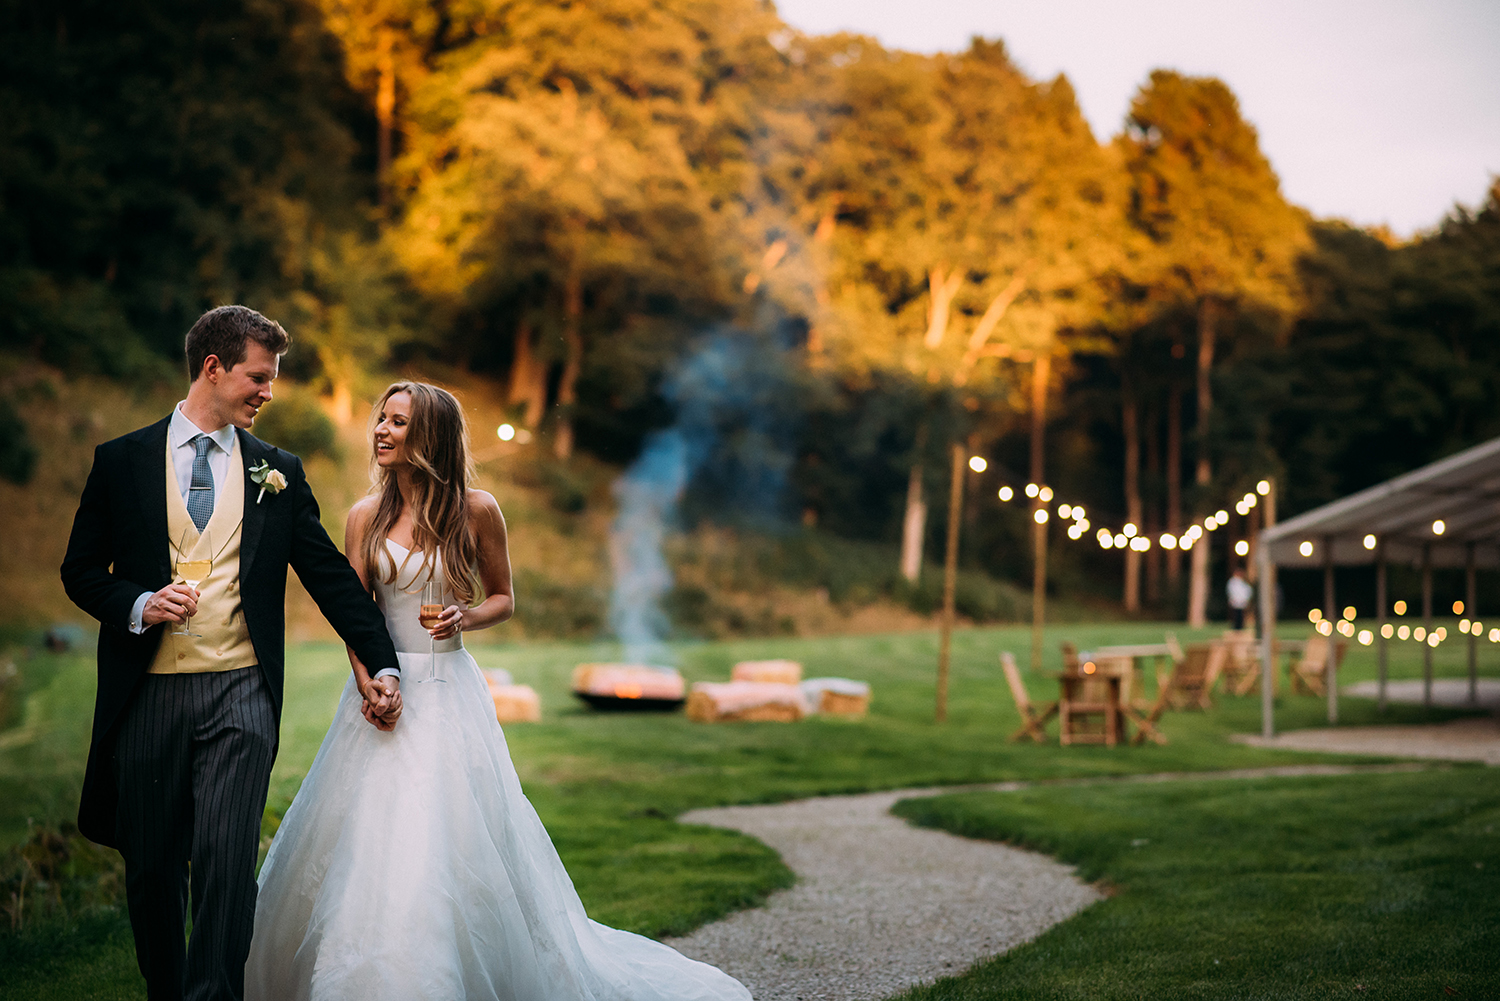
x: 225, y: 641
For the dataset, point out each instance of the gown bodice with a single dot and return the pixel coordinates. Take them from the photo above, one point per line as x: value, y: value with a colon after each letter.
x: 400, y: 599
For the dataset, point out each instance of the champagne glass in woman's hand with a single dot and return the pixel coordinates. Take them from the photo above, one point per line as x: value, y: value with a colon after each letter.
x: 193, y: 570
x: 430, y: 615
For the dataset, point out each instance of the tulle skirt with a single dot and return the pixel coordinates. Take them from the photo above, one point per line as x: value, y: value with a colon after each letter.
x: 410, y: 866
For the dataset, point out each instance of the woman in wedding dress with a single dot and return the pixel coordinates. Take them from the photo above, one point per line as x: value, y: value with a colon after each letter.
x: 410, y: 866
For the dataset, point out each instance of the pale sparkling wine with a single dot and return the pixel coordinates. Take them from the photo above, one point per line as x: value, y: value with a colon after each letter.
x: 194, y: 571
x: 429, y: 615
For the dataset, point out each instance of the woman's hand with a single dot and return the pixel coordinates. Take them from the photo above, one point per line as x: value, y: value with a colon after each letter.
x: 450, y: 624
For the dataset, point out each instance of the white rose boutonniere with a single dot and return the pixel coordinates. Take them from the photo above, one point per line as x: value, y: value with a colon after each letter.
x: 269, y: 479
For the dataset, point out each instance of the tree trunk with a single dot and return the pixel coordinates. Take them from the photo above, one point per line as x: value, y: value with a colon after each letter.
x: 1208, y: 317
x: 1174, y: 479
x: 528, y: 377
x: 1153, y: 514
x: 913, y: 526
x: 1130, y: 424
x: 385, y: 112
x: 567, y: 386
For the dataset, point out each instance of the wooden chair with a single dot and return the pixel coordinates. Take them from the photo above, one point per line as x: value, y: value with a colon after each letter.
x: 1310, y: 671
x: 1087, y: 713
x: 1194, y: 676
x: 1241, y: 666
x: 1033, y: 716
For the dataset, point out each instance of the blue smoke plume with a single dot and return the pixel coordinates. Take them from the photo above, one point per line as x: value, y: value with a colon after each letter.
x: 733, y: 432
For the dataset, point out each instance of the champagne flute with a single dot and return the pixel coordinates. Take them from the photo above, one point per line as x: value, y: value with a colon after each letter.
x: 193, y: 570
x: 430, y: 614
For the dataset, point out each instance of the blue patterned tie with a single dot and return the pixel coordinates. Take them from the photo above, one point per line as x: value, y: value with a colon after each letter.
x: 200, y: 500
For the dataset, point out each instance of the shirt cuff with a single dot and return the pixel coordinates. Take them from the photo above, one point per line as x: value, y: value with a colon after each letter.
x: 389, y: 672
x: 138, y: 613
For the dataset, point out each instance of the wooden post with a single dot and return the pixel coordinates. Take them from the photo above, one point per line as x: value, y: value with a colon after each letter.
x: 1266, y: 591
x: 1038, y: 585
x: 1330, y: 612
x: 1471, y: 602
x: 1426, y: 625
x: 950, y: 580
x: 1381, y: 600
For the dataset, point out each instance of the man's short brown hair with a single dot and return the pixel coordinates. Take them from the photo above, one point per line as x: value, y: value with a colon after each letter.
x: 227, y: 331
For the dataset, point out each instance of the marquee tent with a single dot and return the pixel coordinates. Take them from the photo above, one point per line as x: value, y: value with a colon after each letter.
x: 1446, y: 514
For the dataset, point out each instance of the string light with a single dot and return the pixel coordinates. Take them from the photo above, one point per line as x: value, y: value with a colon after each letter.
x: 1366, y: 637
x: 1065, y: 511
x: 1494, y: 636
x: 1222, y: 517
x: 1130, y: 530
x: 1403, y: 633
x: 977, y: 463
x: 1419, y: 634
x: 1325, y: 627
x: 1121, y: 540
x: 1006, y: 493
x: 1463, y: 626
x: 1263, y: 487
x: 1306, y: 549
x: 1046, y: 495
x: 1458, y: 608
x: 1314, y: 615
x: 1167, y: 541
x: 1387, y: 631
x: 1040, y: 516
x: 1032, y: 490
x: 1370, y: 542
x: 1242, y: 548
x: 505, y: 432
x: 1399, y: 608
x: 1439, y: 527
x: 1349, y: 612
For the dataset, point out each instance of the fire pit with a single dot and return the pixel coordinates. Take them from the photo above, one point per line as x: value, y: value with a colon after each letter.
x: 629, y: 687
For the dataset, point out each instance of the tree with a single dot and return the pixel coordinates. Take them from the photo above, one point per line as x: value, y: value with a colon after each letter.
x: 1222, y: 236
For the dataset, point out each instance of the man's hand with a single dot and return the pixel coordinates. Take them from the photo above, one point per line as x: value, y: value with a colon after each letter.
x: 382, y: 703
x: 173, y: 603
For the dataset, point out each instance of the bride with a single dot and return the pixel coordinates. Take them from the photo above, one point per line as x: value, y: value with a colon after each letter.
x: 410, y: 865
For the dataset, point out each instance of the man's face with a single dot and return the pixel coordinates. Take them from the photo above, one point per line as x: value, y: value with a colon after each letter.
x: 240, y: 392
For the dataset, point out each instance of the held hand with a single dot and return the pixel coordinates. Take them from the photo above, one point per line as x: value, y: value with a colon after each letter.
x: 449, y: 625
x: 382, y: 702
x: 173, y: 603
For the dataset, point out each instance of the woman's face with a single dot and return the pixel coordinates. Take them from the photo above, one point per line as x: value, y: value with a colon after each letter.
x: 390, y: 431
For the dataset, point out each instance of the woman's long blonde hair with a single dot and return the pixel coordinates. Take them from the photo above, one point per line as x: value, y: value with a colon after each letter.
x: 437, y: 448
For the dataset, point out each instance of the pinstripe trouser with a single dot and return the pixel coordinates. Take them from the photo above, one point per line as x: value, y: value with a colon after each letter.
x: 193, y: 764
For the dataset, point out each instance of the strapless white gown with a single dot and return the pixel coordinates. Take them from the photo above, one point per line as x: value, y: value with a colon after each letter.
x: 411, y: 867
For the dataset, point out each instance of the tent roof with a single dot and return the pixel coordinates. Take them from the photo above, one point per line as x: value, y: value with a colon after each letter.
x: 1463, y: 491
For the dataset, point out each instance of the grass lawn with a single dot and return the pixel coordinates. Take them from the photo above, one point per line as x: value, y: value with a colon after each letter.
x: 608, y: 786
x: 1369, y: 886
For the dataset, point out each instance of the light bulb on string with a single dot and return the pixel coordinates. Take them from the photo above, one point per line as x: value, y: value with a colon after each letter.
x: 1040, y: 516
x: 1045, y: 493
x: 1167, y: 541
x: 1006, y: 493
x: 1370, y: 541
x: 1066, y: 511
x: 978, y: 464
x: 1130, y: 530
x: 1242, y: 548
x: 1032, y: 490
x: 1263, y: 487
x: 1306, y: 549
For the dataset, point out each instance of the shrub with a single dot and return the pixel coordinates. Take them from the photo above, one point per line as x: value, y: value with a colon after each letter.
x: 294, y: 421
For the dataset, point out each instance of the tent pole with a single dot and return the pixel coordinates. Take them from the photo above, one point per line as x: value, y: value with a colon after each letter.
x: 1380, y: 605
x: 1427, y: 625
x: 1330, y: 672
x: 1267, y: 595
x: 1471, y: 605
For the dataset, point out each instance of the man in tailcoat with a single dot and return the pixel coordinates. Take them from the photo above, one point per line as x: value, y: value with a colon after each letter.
x: 190, y: 678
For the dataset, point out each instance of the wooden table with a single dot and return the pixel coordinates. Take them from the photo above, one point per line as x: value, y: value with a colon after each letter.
x: 1075, y: 702
x: 1135, y: 653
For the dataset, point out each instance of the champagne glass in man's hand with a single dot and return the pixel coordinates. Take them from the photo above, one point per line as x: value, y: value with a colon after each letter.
x: 193, y: 569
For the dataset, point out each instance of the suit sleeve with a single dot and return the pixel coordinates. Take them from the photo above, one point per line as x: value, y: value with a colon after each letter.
x: 86, y: 569
x: 333, y: 584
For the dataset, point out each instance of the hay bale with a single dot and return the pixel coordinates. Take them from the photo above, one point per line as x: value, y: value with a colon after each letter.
x: 516, y: 704
x: 745, y: 702
x: 836, y: 696
x: 497, y: 676
x: 779, y: 672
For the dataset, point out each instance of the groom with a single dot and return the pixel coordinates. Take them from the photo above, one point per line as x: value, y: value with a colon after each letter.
x: 186, y: 727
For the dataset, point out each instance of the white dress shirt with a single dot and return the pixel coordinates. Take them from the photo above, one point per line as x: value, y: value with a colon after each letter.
x: 180, y: 434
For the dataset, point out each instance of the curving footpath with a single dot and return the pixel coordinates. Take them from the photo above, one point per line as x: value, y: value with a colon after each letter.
x: 881, y: 906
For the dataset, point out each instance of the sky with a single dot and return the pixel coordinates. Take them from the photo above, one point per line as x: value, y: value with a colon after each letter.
x: 1380, y: 112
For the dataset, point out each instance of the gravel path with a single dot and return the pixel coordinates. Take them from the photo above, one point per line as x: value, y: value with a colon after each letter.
x: 880, y: 906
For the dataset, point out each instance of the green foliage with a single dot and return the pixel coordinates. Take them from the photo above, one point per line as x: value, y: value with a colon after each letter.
x: 294, y: 420
x: 1381, y: 884
x: 17, y: 451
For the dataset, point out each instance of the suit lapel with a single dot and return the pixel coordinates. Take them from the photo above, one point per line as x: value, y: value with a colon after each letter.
x: 149, y: 468
x: 251, y: 452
